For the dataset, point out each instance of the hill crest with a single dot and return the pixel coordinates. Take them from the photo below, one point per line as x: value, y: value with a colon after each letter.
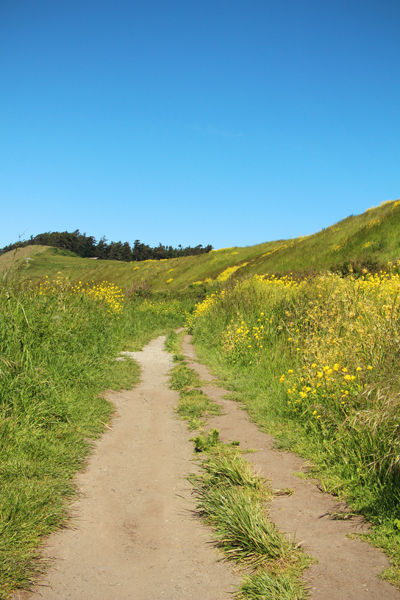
x: 366, y: 241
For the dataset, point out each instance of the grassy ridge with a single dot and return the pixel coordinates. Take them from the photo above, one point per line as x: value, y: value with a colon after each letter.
x: 367, y: 240
x: 317, y: 364
x: 169, y: 275
x: 58, y: 348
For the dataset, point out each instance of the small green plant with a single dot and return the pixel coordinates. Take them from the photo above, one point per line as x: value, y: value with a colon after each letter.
x: 193, y: 405
x: 204, y: 442
x: 182, y: 377
x: 178, y: 358
x: 264, y: 585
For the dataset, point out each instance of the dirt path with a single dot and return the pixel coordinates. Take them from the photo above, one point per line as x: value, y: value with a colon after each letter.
x: 133, y: 536
x: 347, y: 569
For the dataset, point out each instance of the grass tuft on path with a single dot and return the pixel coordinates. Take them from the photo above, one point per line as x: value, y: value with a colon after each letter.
x: 195, y: 404
x: 233, y: 500
x: 182, y: 377
x: 263, y: 586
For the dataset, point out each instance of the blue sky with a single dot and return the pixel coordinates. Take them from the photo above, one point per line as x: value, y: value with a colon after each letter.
x: 196, y: 121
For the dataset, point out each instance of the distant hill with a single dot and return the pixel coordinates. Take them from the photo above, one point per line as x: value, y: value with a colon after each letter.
x: 366, y: 241
x: 86, y: 246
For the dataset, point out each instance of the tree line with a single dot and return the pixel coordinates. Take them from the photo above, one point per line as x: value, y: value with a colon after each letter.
x: 88, y: 247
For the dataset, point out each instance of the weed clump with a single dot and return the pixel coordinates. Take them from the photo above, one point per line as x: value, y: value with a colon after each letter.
x: 204, y: 442
x: 193, y: 405
x: 263, y: 585
x: 183, y: 377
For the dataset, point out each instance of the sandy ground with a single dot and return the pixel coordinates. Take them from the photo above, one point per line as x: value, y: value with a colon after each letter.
x: 132, y: 534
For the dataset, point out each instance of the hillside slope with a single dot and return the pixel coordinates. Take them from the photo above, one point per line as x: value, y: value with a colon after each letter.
x: 368, y: 240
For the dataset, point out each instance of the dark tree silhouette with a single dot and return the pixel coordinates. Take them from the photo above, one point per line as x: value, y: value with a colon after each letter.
x: 88, y: 247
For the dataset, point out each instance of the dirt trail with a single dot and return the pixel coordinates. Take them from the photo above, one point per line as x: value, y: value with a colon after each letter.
x: 132, y: 535
x: 347, y: 569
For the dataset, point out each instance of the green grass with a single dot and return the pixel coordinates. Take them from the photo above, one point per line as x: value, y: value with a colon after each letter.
x: 205, y: 441
x: 58, y: 355
x: 368, y: 240
x: 146, y: 319
x: 233, y: 500
x: 182, y: 377
x: 263, y: 586
x: 339, y: 247
x: 173, y: 345
x: 193, y: 405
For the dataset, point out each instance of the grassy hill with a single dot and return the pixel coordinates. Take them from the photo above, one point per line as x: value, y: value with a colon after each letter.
x: 328, y: 346
x: 368, y: 240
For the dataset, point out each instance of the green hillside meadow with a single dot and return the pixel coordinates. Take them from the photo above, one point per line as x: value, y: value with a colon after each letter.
x: 368, y: 240
x: 305, y: 332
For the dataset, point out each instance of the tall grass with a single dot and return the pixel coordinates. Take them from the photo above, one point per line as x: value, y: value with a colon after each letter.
x: 279, y: 587
x: 317, y: 363
x: 58, y: 345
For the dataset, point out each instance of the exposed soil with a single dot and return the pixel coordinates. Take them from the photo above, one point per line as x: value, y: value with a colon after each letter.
x: 133, y: 535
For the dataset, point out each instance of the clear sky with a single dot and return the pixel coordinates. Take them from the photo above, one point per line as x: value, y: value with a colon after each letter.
x: 196, y: 121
